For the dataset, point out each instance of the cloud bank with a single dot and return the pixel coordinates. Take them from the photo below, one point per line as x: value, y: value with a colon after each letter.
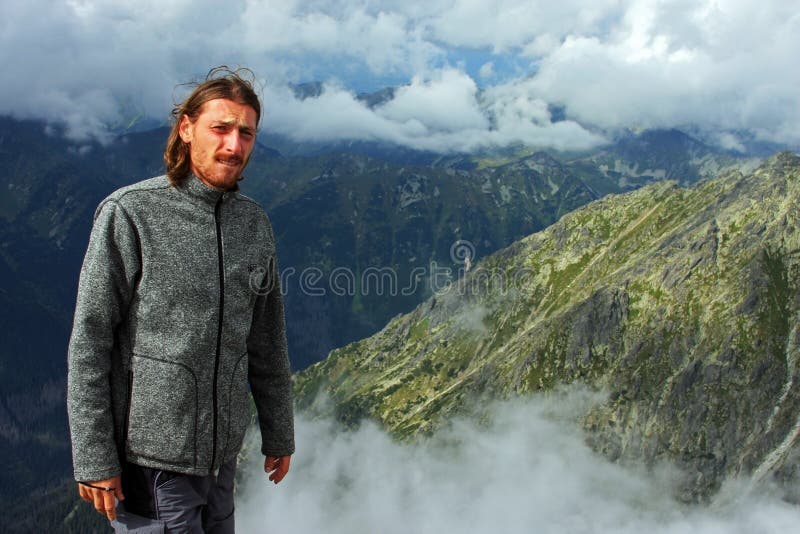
x: 727, y: 67
x: 527, y: 471
x: 442, y: 114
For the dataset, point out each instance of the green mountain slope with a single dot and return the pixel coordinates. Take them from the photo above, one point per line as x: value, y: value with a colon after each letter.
x: 682, y: 304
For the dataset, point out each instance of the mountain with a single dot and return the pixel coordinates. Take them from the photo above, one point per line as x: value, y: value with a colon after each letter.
x: 637, y: 159
x: 349, y: 210
x: 351, y: 219
x: 682, y: 304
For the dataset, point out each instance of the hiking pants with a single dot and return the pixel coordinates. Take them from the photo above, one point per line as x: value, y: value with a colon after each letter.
x: 165, y: 502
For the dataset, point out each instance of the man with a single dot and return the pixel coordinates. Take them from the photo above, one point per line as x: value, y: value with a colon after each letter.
x: 179, y: 309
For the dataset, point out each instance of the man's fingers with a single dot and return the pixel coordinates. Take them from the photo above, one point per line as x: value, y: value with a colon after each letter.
x: 109, y: 505
x: 280, y: 466
x: 101, y: 494
x: 103, y: 502
x: 84, y: 494
x: 98, y: 502
x: 277, y: 475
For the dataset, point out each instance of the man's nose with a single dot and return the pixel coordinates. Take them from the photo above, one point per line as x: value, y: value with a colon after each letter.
x: 233, y: 142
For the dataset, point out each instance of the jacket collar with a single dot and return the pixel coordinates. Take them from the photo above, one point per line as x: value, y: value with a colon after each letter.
x: 200, y: 191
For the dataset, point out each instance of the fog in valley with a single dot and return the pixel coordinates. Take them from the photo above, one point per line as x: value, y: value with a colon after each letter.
x: 524, y: 468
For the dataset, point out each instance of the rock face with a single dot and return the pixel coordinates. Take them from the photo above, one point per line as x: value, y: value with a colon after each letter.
x: 681, y: 304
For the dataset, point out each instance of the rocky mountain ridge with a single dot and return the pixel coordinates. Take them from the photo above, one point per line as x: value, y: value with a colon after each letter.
x: 682, y: 304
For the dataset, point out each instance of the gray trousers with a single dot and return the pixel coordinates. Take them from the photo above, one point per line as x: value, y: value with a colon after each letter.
x: 165, y: 502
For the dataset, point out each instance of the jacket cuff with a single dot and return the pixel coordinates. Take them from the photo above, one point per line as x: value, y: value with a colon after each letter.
x: 93, y: 476
x: 277, y: 452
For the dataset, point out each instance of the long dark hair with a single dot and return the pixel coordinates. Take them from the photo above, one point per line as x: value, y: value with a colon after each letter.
x: 221, y: 82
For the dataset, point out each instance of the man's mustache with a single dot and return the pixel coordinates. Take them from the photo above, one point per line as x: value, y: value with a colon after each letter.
x: 231, y: 159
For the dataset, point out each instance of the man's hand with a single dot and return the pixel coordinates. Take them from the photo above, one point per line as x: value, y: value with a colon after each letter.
x: 277, y: 467
x: 100, y: 498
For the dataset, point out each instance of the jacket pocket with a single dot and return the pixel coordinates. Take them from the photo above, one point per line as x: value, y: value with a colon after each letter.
x: 162, y: 414
x: 238, y: 412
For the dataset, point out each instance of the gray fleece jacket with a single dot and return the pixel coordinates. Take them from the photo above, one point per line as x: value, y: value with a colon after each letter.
x: 179, y: 308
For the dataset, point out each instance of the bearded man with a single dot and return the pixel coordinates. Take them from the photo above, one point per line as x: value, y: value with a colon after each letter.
x: 179, y: 318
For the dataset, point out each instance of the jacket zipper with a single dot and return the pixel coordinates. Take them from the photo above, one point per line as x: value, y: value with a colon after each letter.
x: 221, y: 267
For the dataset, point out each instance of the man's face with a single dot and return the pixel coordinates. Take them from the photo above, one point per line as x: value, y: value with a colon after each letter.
x: 220, y: 141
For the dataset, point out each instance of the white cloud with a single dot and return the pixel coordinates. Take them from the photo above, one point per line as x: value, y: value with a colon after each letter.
x: 383, y: 41
x: 729, y: 141
x: 443, y: 114
x: 335, y: 114
x: 505, y: 25
x: 528, y: 470
x: 472, y: 318
x: 445, y: 104
x: 675, y: 63
x: 487, y: 70
x: 719, y: 65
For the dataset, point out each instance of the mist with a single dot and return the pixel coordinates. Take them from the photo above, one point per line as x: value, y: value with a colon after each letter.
x: 524, y: 468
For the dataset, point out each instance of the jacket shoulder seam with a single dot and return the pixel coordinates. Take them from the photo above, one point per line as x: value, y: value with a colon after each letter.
x: 140, y: 190
x: 117, y: 197
x: 244, y: 198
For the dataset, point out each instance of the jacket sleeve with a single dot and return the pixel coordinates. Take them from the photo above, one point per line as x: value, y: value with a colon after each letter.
x: 108, y: 276
x: 269, y: 370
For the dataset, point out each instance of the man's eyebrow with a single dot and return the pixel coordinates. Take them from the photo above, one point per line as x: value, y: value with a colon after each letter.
x: 234, y: 122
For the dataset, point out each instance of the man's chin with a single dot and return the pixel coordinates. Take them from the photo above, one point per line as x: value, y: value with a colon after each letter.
x: 222, y: 182
x: 229, y: 182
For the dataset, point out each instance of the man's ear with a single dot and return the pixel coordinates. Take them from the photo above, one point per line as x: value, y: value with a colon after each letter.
x: 186, y: 129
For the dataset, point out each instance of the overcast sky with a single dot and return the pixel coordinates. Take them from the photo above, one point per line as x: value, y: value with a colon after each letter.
x: 474, y: 73
x: 527, y: 471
